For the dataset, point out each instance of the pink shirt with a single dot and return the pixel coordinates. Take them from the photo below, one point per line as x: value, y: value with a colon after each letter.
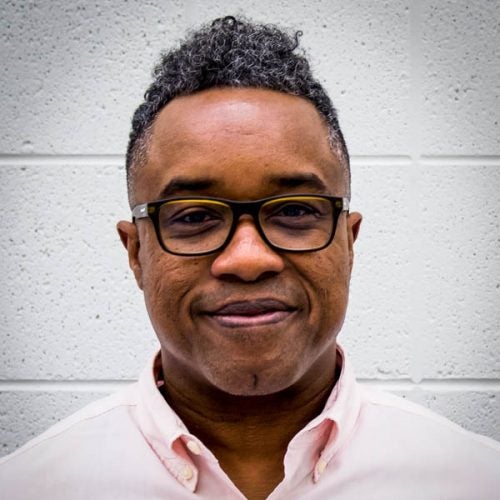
x: 364, y: 445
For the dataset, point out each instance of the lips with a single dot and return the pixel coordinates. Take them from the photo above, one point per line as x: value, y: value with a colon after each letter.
x: 249, y: 313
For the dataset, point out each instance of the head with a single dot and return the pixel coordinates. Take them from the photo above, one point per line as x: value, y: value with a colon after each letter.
x: 235, y: 114
x: 237, y: 54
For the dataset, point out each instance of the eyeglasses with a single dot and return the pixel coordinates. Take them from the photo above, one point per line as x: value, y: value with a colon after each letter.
x: 200, y: 226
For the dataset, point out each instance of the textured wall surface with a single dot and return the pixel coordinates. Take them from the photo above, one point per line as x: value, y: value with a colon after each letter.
x: 417, y: 88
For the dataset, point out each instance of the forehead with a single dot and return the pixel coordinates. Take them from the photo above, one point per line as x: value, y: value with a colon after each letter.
x: 237, y: 140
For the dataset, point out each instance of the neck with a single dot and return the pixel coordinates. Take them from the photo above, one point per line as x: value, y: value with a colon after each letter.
x: 250, y: 432
x: 233, y: 422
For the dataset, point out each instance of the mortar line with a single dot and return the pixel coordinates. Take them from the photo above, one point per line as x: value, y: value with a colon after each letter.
x: 416, y: 98
x: 60, y: 159
x: 377, y: 160
x: 435, y: 385
x: 461, y: 160
x: 415, y: 147
x: 403, y: 384
x: 45, y: 385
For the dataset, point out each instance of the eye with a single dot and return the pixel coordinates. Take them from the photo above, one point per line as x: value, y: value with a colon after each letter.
x: 295, y: 210
x: 193, y: 217
x: 185, y: 220
x: 295, y: 214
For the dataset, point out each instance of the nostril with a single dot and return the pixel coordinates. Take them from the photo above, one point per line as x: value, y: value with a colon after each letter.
x: 267, y: 275
x: 238, y: 278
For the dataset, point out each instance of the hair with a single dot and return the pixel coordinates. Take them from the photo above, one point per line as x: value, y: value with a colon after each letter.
x: 231, y: 52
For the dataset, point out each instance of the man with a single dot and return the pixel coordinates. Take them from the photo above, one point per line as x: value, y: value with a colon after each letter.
x: 242, y: 242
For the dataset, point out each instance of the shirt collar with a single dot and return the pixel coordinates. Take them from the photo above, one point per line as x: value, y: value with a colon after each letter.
x: 163, y: 429
x: 342, y: 410
x: 175, y: 446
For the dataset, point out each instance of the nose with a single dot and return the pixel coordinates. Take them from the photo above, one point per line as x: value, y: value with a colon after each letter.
x: 246, y: 257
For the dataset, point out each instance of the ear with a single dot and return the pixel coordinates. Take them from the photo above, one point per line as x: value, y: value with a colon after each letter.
x: 353, y: 225
x: 130, y: 239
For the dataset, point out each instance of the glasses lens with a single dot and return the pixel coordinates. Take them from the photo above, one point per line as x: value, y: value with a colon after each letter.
x: 194, y: 226
x: 297, y: 222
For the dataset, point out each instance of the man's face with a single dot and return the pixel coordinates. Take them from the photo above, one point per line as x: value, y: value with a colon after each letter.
x: 246, y: 320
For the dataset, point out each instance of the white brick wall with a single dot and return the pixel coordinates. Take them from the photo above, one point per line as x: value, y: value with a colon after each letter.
x: 416, y: 84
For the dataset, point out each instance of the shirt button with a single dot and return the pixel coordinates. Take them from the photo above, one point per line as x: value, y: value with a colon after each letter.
x: 194, y: 447
x: 320, y: 468
x: 186, y: 473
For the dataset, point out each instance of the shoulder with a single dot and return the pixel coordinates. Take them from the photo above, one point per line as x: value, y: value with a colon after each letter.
x: 417, y: 451
x: 404, y: 433
x: 92, y: 415
x: 412, y: 415
x: 74, y: 441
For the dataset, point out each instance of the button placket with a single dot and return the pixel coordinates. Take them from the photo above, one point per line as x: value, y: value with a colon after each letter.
x: 186, y: 472
x: 187, y: 475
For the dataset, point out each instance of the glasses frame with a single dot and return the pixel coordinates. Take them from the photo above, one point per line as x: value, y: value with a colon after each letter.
x: 151, y: 210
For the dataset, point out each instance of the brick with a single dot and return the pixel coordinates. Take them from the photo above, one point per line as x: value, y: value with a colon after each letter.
x: 457, y: 271
x: 71, y: 308
x: 25, y: 415
x: 378, y: 333
x: 460, y: 74
x: 73, y: 72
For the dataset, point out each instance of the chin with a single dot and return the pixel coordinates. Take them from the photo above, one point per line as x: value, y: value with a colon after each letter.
x: 257, y: 382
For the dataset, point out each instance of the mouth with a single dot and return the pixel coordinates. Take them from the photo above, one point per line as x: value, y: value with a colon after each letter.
x: 250, y: 313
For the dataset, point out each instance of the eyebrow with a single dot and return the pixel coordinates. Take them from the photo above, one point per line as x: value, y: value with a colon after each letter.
x: 185, y: 184
x: 292, y: 180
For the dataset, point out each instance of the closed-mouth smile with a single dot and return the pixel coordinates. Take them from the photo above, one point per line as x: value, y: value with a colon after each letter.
x: 251, y: 313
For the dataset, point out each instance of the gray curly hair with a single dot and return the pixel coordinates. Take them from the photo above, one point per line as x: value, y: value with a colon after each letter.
x: 231, y: 52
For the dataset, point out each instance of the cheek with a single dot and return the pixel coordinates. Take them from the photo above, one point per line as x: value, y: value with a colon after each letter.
x: 326, y: 271
x: 167, y: 279
x: 326, y: 277
x: 167, y: 283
